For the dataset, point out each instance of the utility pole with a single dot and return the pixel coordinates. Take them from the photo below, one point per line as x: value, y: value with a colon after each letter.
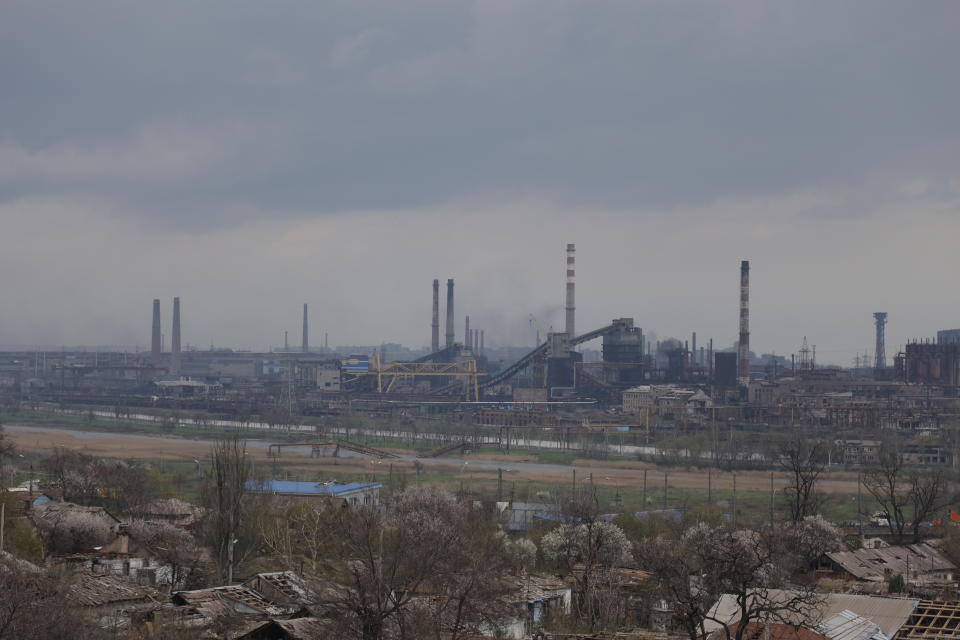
x: 859, y: 504
x: 230, y: 544
x: 771, y: 498
x: 644, y: 489
x: 664, y: 490
x: 734, y: 500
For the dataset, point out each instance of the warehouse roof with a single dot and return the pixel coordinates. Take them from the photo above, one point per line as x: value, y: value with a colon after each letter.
x: 310, y: 488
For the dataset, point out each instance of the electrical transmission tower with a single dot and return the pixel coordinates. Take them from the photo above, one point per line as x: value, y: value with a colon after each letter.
x: 288, y: 392
x: 880, y: 321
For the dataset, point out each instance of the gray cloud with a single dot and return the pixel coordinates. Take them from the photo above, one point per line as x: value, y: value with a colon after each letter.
x: 377, y: 104
x: 352, y: 151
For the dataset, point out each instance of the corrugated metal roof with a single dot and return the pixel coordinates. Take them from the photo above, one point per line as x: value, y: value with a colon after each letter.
x: 888, y: 613
x: 847, y: 625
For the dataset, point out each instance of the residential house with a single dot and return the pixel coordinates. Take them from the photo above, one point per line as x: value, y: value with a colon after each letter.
x: 293, y: 629
x: 524, y: 516
x: 536, y: 598
x: 172, y: 511
x: 918, y: 564
x: 109, y: 599
x: 889, y: 614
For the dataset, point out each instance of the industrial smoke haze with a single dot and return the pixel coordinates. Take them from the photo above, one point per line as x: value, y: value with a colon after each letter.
x: 344, y: 157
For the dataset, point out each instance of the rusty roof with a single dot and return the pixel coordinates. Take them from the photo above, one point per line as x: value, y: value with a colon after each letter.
x: 771, y: 631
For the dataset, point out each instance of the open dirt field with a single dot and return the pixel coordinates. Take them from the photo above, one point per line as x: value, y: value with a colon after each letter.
x: 476, y: 465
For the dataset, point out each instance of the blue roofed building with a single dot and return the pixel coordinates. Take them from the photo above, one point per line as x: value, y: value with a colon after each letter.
x: 352, y: 493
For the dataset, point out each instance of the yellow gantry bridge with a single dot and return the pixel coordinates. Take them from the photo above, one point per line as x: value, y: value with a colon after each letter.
x: 387, y: 375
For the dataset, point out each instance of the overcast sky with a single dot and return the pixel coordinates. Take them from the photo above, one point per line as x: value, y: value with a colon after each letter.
x: 253, y: 156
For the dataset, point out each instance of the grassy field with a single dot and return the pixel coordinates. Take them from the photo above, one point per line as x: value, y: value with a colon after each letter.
x: 619, y: 480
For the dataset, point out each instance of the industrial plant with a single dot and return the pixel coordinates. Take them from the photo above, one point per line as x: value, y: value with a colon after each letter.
x: 649, y: 390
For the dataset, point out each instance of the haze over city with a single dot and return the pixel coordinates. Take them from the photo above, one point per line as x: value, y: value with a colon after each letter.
x: 250, y: 157
x: 479, y: 319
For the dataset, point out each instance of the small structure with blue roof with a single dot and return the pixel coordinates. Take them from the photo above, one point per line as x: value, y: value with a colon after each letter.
x: 353, y: 493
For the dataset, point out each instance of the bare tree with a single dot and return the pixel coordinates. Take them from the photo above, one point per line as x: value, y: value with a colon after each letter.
x: 122, y: 486
x: 7, y: 451
x: 229, y: 525
x: 752, y: 567
x: 297, y: 532
x: 673, y: 570
x: 386, y: 557
x: 32, y: 605
x: 747, y: 565
x: 468, y: 590
x: 804, y: 460
x: 908, y: 496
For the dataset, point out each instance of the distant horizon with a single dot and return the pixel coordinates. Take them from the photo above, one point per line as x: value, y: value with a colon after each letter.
x: 346, y: 155
x: 187, y: 348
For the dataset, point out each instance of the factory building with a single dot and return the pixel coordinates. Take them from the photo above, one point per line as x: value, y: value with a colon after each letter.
x: 931, y: 363
x: 623, y: 349
x: 948, y: 336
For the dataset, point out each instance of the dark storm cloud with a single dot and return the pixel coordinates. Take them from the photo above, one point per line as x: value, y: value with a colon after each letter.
x: 201, y: 113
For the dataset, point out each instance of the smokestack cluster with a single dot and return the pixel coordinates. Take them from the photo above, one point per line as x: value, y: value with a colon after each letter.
x: 743, y: 349
x: 306, y: 342
x: 472, y: 338
x: 571, y: 307
x: 155, y: 338
x: 435, y: 324
x: 449, y: 327
x: 175, y: 340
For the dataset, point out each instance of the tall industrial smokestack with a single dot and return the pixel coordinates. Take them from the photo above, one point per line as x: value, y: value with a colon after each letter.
x: 481, y: 342
x: 306, y: 334
x: 155, y: 335
x: 880, y: 320
x: 743, y: 361
x: 175, y: 340
x: 571, y: 307
x: 435, y: 324
x: 450, y: 334
x: 467, y: 339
